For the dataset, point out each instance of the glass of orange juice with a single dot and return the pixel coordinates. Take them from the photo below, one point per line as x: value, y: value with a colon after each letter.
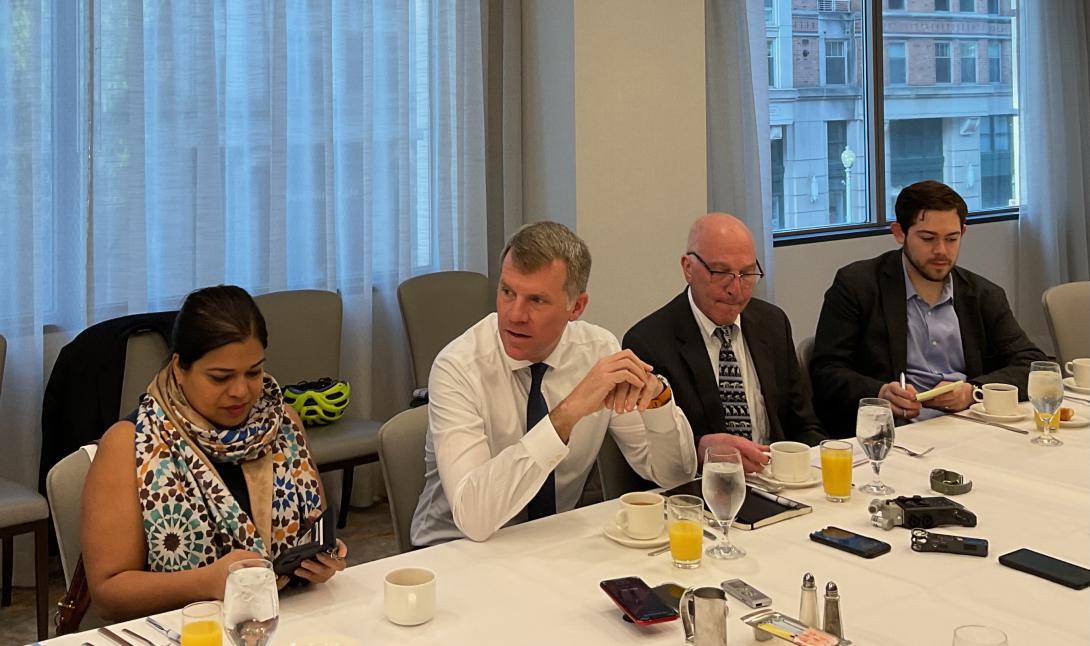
x: 836, y: 470
x: 685, y: 515
x: 202, y: 624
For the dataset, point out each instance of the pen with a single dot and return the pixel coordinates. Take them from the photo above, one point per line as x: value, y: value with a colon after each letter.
x: 902, y: 381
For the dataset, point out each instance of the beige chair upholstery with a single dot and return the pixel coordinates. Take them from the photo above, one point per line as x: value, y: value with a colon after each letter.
x: 616, y: 474
x: 64, y: 488
x: 401, y: 449
x: 145, y: 354
x: 305, y: 344
x: 1067, y: 310
x: 805, y: 352
x: 438, y: 307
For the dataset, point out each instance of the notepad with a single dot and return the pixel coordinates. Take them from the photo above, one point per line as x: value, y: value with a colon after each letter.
x: 935, y: 392
x: 760, y: 508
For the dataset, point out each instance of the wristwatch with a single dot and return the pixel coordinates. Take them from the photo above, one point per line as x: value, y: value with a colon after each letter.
x: 950, y: 483
x: 664, y: 396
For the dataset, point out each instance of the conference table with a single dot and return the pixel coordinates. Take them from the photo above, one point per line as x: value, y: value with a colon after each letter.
x: 537, y: 583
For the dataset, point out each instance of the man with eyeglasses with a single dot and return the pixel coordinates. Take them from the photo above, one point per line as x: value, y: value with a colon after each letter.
x: 913, y: 311
x: 729, y: 358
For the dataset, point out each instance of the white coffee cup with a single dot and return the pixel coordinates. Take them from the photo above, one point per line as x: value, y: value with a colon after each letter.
x: 1080, y: 370
x: 410, y: 596
x: 790, y: 461
x: 998, y: 399
x: 641, y: 514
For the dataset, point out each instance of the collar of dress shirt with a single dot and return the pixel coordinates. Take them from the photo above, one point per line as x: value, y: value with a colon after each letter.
x: 947, y: 294
x: 555, y: 358
x: 707, y: 326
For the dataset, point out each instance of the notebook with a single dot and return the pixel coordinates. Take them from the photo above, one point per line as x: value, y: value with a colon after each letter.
x: 759, y: 509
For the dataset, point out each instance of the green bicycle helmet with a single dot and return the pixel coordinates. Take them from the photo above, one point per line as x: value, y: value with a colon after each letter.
x: 319, y: 402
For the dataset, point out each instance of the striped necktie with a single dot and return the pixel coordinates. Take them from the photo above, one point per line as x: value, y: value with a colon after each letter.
x: 732, y: 392
x: 544, y: 501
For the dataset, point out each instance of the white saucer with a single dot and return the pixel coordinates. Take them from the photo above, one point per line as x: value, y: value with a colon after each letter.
x: 815, y: 479
x: 978, y: 409
x: 1070, y: 383
x: 1077, y: 421
x: 614, y: 532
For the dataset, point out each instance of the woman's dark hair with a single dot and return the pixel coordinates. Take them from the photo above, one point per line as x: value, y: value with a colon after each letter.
x: 927, y: 195
x: 211, y: 318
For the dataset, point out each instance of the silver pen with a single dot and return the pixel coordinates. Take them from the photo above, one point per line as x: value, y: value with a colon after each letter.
x: 172, y: 635
x: 903, y: 386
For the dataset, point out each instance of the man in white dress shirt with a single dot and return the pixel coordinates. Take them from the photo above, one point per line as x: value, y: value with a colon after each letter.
x: 520, y: 403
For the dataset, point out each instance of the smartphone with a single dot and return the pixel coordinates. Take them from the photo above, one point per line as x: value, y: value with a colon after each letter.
x: 638, y: 601
x: 1047, y: 567
x: 850, y: 542
x: 319, y: 537
x: 670, y: 593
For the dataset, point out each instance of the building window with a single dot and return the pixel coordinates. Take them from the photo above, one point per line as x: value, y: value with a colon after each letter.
x: 777, y: 180
x: 896, y: 5
x: 993, y: 7
x: 915, y: 152
x: 836, y: 62
x: 942, y: 5
x: 836, y: 139
x: 967, y: 6
x: 896, y: 73
x: 995, y: 67
x: 771, y: 62
x: 996, y: 169
x: 942, y: 62
x: 770, y: 12
x: 968, y: 62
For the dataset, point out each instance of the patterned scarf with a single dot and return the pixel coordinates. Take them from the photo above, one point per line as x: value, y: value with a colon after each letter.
x: 190, y: 516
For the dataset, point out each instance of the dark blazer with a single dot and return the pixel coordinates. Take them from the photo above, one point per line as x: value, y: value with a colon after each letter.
x: 862, y: 337
x: 671, y: 341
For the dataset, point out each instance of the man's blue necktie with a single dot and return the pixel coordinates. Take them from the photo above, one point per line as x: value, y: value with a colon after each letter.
x: 544, y: 501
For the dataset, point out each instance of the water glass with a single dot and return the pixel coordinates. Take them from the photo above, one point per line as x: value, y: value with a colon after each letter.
x: 874, y: 430
x: 979, y: 636
x: 251, y: 603
x: 685, y: 515
x: 202, y: 624
x: 724, y: 488
x: 1046, y: 393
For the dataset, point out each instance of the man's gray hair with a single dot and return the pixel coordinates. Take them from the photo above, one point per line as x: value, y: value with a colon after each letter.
x: 534, y: 246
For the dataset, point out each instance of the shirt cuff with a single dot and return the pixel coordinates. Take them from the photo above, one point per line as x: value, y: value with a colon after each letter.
x: 661, y: 419
x: 544, y: 445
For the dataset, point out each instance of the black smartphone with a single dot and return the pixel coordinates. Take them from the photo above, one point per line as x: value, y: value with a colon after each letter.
x: 319, y: 537
x: 1073, y: 576
x: 850, y: 542
x: 638, y: 601
x: 670, y: 593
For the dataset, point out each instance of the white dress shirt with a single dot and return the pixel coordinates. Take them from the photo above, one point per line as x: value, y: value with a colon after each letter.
x: 483, y: 467
x: 750, y: 381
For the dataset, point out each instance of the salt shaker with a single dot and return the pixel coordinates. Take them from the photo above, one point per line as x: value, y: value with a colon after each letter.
x: 808, y: 611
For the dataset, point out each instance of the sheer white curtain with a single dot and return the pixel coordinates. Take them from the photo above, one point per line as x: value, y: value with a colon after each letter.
x: 1053, y: 228
x: 273, y: 145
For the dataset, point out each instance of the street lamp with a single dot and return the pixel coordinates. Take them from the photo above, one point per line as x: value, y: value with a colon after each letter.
x: 848, y: 159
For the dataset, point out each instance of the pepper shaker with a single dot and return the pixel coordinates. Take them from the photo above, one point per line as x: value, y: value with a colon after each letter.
x: 834, y: 625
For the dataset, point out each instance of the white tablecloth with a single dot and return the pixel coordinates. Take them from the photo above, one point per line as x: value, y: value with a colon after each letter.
x: 537, y: 583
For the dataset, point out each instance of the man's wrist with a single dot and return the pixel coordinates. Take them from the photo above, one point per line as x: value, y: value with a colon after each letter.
x: 664, y: 395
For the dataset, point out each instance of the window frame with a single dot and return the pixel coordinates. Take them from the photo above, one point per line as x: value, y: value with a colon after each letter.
x: 949, y: 58
x: 843, y: 43
x: 973, y: 59
x: 904, y: 60
x: 771, y: 55
x: 874, y: 84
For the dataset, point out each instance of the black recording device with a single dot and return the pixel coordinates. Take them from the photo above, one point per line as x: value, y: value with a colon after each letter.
x: 925, y: 541
x: 638, y: 601
x: 919, y: 511
x: 1053, y: 569
x: 850, y: 542
x: 319, y: 537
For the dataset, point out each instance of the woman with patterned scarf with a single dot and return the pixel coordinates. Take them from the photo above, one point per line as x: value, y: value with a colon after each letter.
x: 212, y: 468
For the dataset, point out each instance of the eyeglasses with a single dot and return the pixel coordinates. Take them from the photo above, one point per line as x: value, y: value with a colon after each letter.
x: 749, y: 279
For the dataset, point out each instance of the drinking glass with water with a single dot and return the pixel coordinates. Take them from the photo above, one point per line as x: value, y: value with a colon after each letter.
x: 1046, y: 393
x: 874, y: 430
x: 724, y: 488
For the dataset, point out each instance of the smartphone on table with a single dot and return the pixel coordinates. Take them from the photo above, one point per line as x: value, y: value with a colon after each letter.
x: 1053, y: 569
x: 850, y: 542
x: 638, y: 601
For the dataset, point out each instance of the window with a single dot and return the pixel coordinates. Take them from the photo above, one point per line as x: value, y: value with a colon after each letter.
x: 995, y: 67
x: 896, y: 5
x: 770, y: 12
x: 771, y: 62
x: 946, y: 115
x: 993, y: 7
x: 896, y: 72
x: 967, y: 6
x: 836, y: 62
x: 968, y: 62
x: 942, y: 62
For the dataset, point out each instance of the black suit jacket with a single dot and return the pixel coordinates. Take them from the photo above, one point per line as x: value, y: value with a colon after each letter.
x: 671, y: 341
x: 862, y: 337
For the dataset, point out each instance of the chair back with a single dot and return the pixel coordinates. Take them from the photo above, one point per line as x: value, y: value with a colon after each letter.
x: 64, y: 490
x: 304, y: 334
x: 617, y: 475
x: 1067, y: 310
x: 438, y: 307
x: 145, y: 354
x: 401, y: 454
x: 804, y: 352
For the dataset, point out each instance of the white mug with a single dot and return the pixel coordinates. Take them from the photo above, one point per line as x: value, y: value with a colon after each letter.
x: 790, y: 461
x: 1080, y: 370
x: 641, y: 514
x: 410, y: 596
x: 998, y: 399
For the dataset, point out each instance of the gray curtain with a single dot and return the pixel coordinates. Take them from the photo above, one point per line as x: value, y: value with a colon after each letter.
x: 739, y: 155
x: 1054, y: 238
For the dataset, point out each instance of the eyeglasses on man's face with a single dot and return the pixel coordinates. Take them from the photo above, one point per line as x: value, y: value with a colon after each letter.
x: 720, y: 277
